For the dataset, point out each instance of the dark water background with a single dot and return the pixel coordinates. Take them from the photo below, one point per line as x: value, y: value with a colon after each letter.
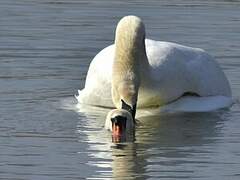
x: 45, y: 50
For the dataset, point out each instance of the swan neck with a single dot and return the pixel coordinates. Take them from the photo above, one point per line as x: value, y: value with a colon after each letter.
x: 129, y: 61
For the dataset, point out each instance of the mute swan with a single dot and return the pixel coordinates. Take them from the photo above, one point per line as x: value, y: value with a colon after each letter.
x: 145, y: 73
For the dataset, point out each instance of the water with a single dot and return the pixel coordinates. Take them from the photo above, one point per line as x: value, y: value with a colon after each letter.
x: 45, y: 50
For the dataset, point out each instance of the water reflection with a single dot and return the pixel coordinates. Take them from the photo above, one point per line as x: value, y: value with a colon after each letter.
x: 127, y: 162
x: 164, y: 143
x: 124, y: 138
x: 179, y: 129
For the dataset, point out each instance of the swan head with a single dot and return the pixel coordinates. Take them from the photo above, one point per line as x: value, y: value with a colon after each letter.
x: 120, y: 123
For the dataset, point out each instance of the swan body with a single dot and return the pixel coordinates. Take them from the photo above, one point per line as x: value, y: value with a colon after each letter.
x: 154, y: 74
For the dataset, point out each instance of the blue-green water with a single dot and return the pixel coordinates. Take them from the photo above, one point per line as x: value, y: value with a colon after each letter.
x: 45, y: 50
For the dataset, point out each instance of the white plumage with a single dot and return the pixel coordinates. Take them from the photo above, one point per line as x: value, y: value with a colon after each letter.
x: 173, y: 70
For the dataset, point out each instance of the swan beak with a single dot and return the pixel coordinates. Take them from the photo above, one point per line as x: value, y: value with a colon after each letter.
x: 131, y: 109
x: 118, y: 125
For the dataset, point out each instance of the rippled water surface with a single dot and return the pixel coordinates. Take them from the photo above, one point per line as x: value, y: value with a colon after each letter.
x: 45, y: 50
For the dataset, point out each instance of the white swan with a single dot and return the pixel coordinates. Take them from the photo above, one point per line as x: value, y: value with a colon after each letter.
x: 147, y: 73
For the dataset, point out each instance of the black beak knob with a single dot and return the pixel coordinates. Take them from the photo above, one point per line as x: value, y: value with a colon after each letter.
x: 119, y: 120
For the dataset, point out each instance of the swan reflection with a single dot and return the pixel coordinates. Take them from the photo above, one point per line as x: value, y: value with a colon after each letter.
x: 163, y: 143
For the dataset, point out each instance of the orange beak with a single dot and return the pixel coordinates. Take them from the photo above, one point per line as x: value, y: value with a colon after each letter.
x: 117, y: 130
x: 118, y: 134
